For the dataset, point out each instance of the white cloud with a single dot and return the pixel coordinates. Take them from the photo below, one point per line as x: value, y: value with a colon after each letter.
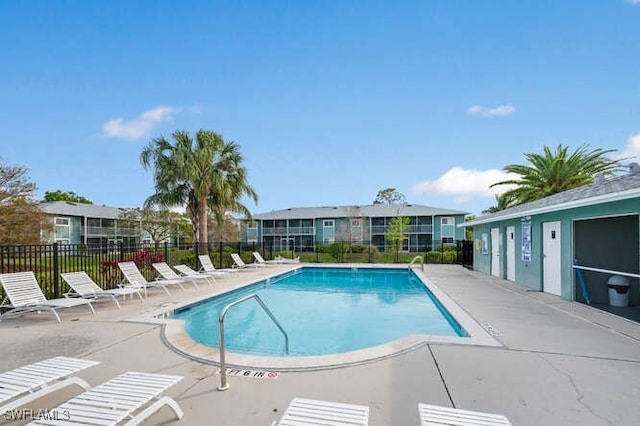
x: 632, y: 150
x: 196, y: 109
x: 499, y: 111
x: 464, y: 184
x: 138, y: 127
x: 634, y: 1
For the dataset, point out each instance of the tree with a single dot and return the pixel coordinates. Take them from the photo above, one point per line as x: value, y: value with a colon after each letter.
x: 159, y: 224
x: 397, y: 232
x: 204, y: 174
x: 554, y: 172
x: 65, y: 196
x: 21, y: 220
x: 468, y: 232
x: 389, y: 196
x: 501, y: 204
x: 227, y: 231
x: 351, y: 229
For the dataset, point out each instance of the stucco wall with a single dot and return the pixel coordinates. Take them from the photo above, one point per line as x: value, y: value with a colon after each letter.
x: 530, y: 274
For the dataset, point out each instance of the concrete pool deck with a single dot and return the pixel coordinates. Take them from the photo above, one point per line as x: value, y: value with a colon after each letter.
x: 557, y: 362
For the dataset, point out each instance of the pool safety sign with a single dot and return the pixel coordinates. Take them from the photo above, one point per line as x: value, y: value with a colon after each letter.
x: 254, y: 374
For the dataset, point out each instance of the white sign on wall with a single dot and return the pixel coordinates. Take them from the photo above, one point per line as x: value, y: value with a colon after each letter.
x: 526, y: 241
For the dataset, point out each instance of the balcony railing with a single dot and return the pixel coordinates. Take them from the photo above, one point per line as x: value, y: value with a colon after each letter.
x: 294, y: 230
x: 411, y: 229
x: 108, y: 231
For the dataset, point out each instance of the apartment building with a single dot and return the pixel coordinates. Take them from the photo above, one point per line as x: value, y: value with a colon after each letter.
x: 303, y: 228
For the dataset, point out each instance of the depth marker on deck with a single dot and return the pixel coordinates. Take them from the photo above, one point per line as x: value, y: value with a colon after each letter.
x: 253, y: 374
x: 492, y: 331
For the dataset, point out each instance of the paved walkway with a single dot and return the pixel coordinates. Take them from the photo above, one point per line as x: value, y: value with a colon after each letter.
x: 559, y: 363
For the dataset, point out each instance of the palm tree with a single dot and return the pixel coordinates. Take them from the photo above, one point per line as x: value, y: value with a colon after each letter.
x: 555, y: 172
x: 202, y: 174
x: 501, y: 204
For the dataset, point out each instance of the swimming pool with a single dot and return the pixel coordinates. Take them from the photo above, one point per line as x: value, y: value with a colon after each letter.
x: 324, y: 311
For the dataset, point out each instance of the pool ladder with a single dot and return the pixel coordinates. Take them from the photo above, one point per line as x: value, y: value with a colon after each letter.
x: 223, y: 370
x: 414, y: 261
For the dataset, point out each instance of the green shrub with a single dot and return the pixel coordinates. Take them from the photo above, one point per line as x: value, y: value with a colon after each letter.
x: 187, y: 259
x: 449, y: 247
x: 433, y: 257
x: 337, y: 250
x: 373, y: 253
x: 449, y: 257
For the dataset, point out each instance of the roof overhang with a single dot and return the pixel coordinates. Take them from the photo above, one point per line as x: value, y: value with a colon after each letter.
x: 600, y: 199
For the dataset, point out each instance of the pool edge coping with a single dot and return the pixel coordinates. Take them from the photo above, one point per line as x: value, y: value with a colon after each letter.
x: 174, y: 336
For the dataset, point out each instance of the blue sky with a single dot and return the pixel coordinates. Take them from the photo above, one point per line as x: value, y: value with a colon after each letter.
x: 330, y: 101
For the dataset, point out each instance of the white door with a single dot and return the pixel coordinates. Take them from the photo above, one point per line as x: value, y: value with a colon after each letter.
x: 495, y: 252
x: 551, y: 273
x: 511, y: 253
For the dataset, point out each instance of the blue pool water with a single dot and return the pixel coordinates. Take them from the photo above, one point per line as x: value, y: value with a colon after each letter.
x: 324, y: 311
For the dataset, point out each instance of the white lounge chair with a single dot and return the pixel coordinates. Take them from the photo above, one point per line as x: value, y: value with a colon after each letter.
x: 188, y: 272
x: 133, y: 277
x: 167, y: 273
x: 22, y: 385
x: 285, y: 260
x: 304, y: 411
x: 238, y: 263
x: 83, y: 286
x: 260, y: 260
x: 207, y: 265
x: 23, y: 294
x: 118, y: 399
x: 436, y: 415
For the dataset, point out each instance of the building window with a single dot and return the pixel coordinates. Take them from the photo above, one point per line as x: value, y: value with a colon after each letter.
x: 252, y: 231
x: 447, y: 240
x: 62, y: 230
x: 328, y: 231
x: 448, y: 228
x: 61, y: 221
x: 448, y: 221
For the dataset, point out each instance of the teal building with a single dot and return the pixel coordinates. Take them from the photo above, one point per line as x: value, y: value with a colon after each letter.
x: 569, y: 244
x: 302, y: 228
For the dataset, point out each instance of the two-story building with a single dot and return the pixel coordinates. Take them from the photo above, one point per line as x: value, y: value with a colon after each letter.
x: 303, y: 228
x: 77, y: 223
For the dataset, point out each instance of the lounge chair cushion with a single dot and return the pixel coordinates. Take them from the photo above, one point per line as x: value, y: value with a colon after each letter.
x: 436, y: 415
x: 304, y: 411
x: 119, y: 398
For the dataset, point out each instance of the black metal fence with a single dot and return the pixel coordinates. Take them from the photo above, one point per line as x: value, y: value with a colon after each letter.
x: 48, y: 261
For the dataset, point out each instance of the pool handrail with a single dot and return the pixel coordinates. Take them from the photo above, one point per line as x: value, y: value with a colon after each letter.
x: 223, y: 370
x: 414, y: 260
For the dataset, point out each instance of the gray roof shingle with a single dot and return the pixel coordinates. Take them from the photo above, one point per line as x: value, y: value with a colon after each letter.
x: 69, y: 208
x: 617, y: 188
x: 372, y: 210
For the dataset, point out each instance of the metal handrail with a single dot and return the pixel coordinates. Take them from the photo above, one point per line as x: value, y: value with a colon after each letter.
x: 414, y: 260
x: 223, y: 370
x: 606, y: 271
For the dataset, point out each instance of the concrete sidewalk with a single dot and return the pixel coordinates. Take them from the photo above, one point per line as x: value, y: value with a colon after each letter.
x: 559, y: 363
